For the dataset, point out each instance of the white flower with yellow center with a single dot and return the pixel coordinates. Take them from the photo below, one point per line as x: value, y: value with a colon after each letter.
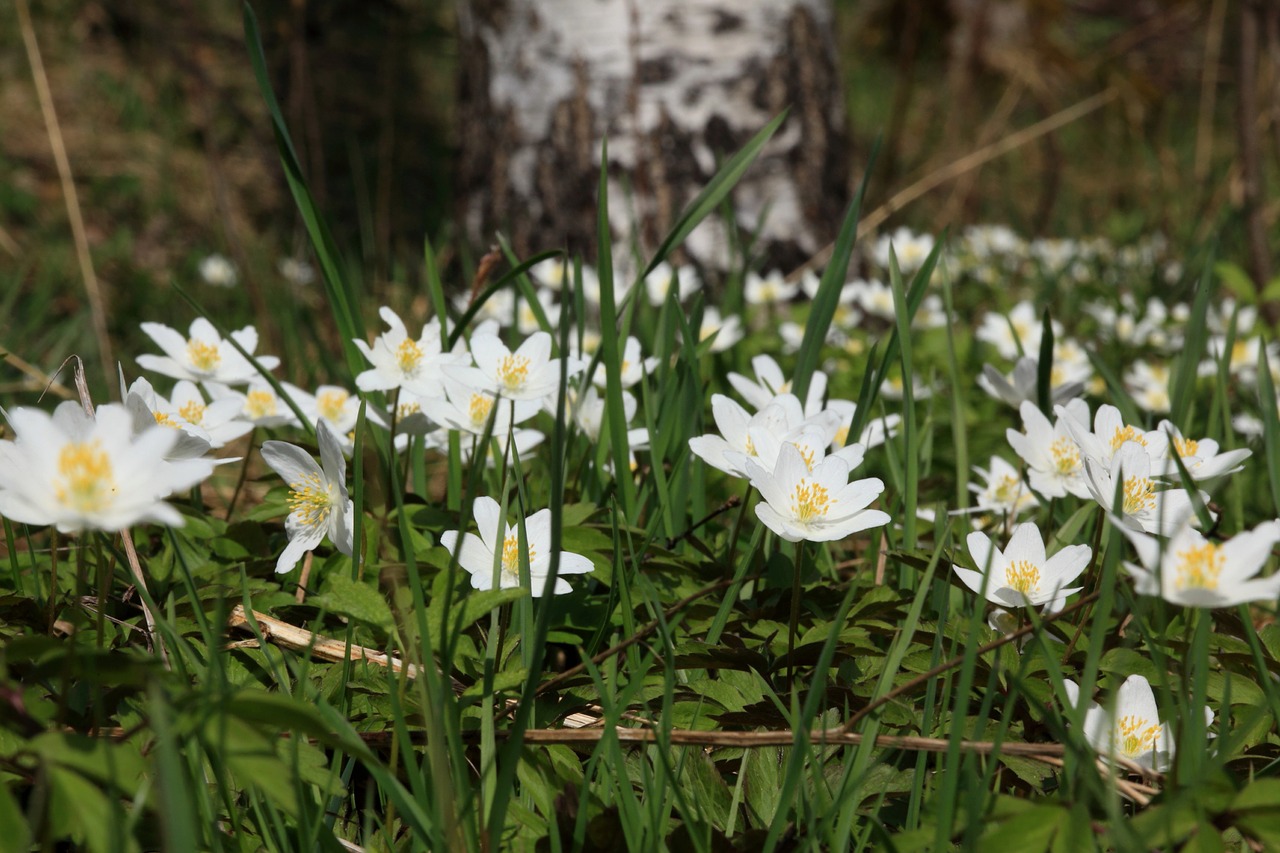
x: 1144, y: 502
x: 493, y: 557
x: 771, y: 289
x: 1202, y: 458
x: 818, y: 505
x: 634, y: 365
x: 318, y: 501
x: 217, y: 422
x: 77, y: 471
x: 259, y: 403
x: 1194, y: 572
x: 729, y: 451
x: 770, y: 382
x: 1131, y: 729
x: 911, y: 250
x: 1054, y: 464
x: 664, y: 277
x: 1021, y: 326
x: 204, y: 356
x: 1022, y: 574
x: 1003, y: 490
x: 529, y: 373
x: 1109, y: 433
x: 728, y: 330
x: 399, y: 361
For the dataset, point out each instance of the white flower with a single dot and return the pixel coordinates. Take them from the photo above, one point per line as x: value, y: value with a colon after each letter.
x: 1020, y: 326
x: 1192, y: 571
x: 873, y: 434
x: 736, y: 424
x: 1022, y: 383
x: 1052, y: 455
x: 1144, y: 503
x: 770, y: 382
x: 217, y: 423
x: 911, y: 250
x: 78, y: 471
x: 727, y: 331
x: 633, y: 368
x: 588, y: 411
x: 488, y: 560
x: 1202, y: 458
x: 218, y: 271
x: 334, y: 405
x: 296, y: 271
x: 259, y: 403
x: 818, y: 505
x: 1022, y: 574
x: 529, y: 373
x: 772, y: 289
x: 527, y: 321
x: 894, y: 388
x: 1148, y: 384
x: 402, y: 362
x: 874, y: 297
x: 469, y: 409
x: 204, y: 356
x: 659, y: 282
x: 318, y: 500
x: 1003, y: 490
x: 1132, y: 729
x: 1109, y: 434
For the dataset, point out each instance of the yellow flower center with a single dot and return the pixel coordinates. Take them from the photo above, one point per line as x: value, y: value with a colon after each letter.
x: 164, y: 420
x: 1137, y: 737
x: 1023, y: 576
x: 1066, y: 455
x: 810, y: 502
x: 85, y: 481
x: 1139, y: 495
x: 1240, y: 355
x: 513, y: 372
x: 1007, y: 490
x: 842, y: 435
x: 1185, y: 446
x: 203, y: 356
x: 1057, y: 376
x: 1124, y: 434
x: 408, y: 356
x: 479, y: 408
x: 1199, y: 566
x: 192, y: 412
x: 404, y: 410
x: 332, y: 404
x: 511, y: 555
x: 310, y: 500
x: 259, y: 404
x: 751, y: 447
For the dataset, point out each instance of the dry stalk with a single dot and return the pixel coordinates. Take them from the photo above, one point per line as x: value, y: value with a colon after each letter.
x: 93, y: 292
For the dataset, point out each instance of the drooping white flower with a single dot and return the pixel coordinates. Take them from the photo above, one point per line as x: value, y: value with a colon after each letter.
x: 1131, y: 729
x: 318, y: 501
x: 204, y: 356
x: 818, y: 505
x: 728, y: 331
x: 1055, y: 467
x: 399, y: 361
x: 1194, y: 572
x: 1022, y: 574
x: 77, y: 471
x: 495, y: 554
x: 1022, y: 384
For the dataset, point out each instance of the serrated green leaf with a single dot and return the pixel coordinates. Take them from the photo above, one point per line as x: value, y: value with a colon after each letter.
x: 354, y: 600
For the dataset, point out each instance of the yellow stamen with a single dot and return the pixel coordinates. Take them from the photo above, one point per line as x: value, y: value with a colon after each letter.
x: 810, y: 502
x: 807, y: 454
x: 164, y: 420
x: 479, y: 408
x: 1124, y: 434
x: 511, y: 555
x: 260, y: 404
x: 1023, y: 576
x: 513, y: 372
x: 1066, y: 455
x: 1199, y: 566
x: 331, y: 404
x: 310, y: 501
x: 1137, y: 737
x: 842, y: 436
x: 404, y: 410
x: 203, y: 356
x: 85, y: 481
x: 1139, y: 495
x: 192, y: 412
x: 1185, y: 446
x: 1008, y: 490
x: 408, y: 356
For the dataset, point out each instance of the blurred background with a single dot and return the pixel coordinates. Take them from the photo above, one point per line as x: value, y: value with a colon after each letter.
x: 167, y: 139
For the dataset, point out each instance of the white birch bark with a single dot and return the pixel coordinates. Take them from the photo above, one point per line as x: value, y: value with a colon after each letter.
x: 675, y: 86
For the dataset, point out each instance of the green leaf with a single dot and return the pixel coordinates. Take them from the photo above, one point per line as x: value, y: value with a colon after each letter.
x: 1032, y: 830
x: 16, y: 837
x: 468, y: 609
x: 355, y: 600
x: 1237, y: 281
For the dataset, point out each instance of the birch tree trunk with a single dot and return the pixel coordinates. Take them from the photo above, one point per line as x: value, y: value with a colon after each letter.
x: 676, y: 86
